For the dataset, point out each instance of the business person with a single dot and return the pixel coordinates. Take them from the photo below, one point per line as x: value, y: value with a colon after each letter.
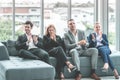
x: 77, y: 46
x: 31, y: 45
x: 53, y: 44
x: 100, y: 41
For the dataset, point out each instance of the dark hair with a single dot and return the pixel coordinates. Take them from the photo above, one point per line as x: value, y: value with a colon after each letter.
x: 70, y: 20
x: 29, y: 22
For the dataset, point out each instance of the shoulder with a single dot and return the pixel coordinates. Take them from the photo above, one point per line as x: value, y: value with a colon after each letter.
x: 45, y: 37
x: 40, y: 37
x: 104, y: 35
x: 80, y: 31
x: 58, y: 36
x: 22, y: 36
x: 67, y: 33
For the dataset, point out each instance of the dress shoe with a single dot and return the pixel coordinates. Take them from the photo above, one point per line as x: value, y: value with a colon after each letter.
x: 116, y: 74
x: 78, y: 77
x: 94, y: 76
x: 70, y: 67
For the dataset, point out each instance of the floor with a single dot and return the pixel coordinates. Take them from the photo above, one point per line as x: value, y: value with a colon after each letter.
x: 102, y: 78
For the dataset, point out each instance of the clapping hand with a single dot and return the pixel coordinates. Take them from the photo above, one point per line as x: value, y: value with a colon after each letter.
x: 82, y: 42
x: 53, y: 36
x: 100, y: 33
x: 29, y: 38
x: 93, y: 37
x: 35, y: 39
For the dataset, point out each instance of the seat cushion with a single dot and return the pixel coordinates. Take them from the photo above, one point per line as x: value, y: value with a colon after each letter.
x: 24, y: 69
x: 10, y: 44
x: 3, y: 52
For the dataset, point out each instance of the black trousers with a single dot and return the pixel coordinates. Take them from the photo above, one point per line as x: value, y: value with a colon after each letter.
x: 59, y: 54
x: 35, y: 53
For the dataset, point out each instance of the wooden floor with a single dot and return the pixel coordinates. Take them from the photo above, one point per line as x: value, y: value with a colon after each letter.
x: 102, y: 78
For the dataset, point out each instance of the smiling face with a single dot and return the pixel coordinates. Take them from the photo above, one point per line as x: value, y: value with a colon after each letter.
x: 97, y: 27
x: 28, y: 28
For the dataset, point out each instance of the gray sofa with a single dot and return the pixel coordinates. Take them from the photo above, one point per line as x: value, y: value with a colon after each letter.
x: 85, y: 65
x: 16, y: 68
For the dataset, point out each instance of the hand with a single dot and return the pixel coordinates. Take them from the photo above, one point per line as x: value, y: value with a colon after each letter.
x: 93, y: 37
x: 53, y: 37
x: 100, y: 33
x: 35, y: 38
x: 29, y: 38
x: 82, y: 42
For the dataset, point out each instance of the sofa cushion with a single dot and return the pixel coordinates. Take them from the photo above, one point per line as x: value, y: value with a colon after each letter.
x: 24, y: 69
x: 11, y: 48
x: 3, y: 52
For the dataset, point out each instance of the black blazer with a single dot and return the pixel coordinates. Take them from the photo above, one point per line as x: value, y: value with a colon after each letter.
x: 21, y: 42
x: 49, y: 43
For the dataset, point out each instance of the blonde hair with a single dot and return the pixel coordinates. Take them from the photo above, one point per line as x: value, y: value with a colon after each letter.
x: 96, y: 24
x: 50, y: 26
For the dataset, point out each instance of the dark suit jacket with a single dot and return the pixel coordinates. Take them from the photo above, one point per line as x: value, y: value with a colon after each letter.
x: 49, y: 43
x: 21, y: 42
x: 94, y: 43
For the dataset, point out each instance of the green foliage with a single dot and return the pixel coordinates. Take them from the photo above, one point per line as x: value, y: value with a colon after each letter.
x: 6, y: 29
x: 111, y: 38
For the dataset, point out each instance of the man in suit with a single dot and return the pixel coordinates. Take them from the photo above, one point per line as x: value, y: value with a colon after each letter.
x: 100, y: 41
x: 77, y: 46
x: 31, y: 45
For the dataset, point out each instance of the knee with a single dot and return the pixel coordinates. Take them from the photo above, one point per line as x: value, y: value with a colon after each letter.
x: 21, y: 51
x: 46, y: 54
x: 73, y: 52
x: 60, y: 48
x: 94, y: 51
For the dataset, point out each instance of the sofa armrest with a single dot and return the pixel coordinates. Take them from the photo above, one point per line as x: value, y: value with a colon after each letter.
x: 3, y: 52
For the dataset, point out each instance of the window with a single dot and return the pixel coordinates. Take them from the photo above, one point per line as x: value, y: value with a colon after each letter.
x: 111, y: 35
x: 27, y: 10
x: 55, y: 12
x: 5, y: 20
x: 83, y: 14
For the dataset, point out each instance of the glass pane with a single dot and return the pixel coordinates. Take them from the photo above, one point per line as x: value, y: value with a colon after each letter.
x: 5, y: 20
x: 83, y: 14
x: 112, y: 28
x: 27, y: 10
x: 55, y: 12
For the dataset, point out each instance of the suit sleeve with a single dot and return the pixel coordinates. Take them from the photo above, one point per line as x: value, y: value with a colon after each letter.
x: 68, y: 45
x: 105, y: 40
x: 92, y: 43
x: 40, y: 43
x: 20, y: 44
x: 49, y: 43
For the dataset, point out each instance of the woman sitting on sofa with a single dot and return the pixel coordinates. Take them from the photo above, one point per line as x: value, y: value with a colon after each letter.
x: 100, y: 41
x: 53, y: 44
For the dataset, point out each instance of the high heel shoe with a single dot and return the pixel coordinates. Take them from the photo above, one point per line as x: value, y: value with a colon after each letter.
x: 105, y: 67
x: 104, y: 70
x: 116, y: 74
x: 70, y: 67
